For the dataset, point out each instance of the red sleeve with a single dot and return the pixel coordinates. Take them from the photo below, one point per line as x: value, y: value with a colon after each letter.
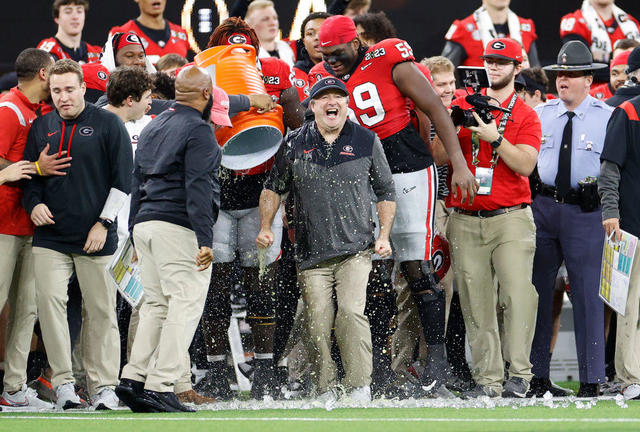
x: 95, y: 76
x: 116, y: 29
x: 396, y: 51
x: 10, y: 130
x: 530, y: 132
x: 425, y: 71
x: 528, y: 26
x: 574, y: 23
x: 458, y: 32
x: 316, y: 73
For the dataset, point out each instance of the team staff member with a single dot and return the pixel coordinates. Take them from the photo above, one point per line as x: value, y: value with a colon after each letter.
x: 68, y: 43
x: 158, y: 35
x: 494, y: 237
x: 174, y: 204
x: 618, y: 189
x: 567, y: 217
x: 18, y: 109
x: 74, y: 217
x: 599, y: 24
x: 380, y: 79
x: 329, y: 166
x: 467, y: 38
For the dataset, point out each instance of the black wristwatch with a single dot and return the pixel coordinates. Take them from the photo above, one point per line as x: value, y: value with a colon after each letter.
x: 106, y: 223
x: 495, y: 144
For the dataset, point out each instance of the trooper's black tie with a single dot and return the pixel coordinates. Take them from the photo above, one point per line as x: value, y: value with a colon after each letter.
x: 563, y: 177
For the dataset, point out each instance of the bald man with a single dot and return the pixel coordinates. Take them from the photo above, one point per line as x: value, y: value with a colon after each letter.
x: 175, y: 198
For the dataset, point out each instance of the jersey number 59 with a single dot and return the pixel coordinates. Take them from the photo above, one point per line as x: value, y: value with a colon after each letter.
x: 365, y: 96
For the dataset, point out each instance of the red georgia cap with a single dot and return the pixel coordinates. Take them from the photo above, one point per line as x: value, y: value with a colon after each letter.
x: 503, y: 48
x: 337, y: 30
x: 621, y: 59
x: 129, y: 38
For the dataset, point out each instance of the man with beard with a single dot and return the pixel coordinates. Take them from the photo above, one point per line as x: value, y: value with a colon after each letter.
x: 380, y: 79
x: 174, y: 204
x: 494, y: 237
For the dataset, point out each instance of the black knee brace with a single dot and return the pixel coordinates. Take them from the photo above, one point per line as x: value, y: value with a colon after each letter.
x: 261, y: 306
x: 430, y: 302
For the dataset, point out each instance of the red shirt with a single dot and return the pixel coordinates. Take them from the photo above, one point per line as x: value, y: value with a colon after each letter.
x: 574, y: 23
x: 375, y: 100
x: 301, y: 83
x: 465, y: 32
x: 508, y: 188
x: 177, y: 43
x: 601, y: 91
x: 52, y: 46
x: 16, y: 115
x: 95, y: 76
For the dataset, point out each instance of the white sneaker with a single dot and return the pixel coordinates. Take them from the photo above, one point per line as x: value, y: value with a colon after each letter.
x: 631, y: 392
x: 105, y: 399
x: 361, y: 394
x: 67, y: 397
x: 329, y: 396
x: 25, y: 397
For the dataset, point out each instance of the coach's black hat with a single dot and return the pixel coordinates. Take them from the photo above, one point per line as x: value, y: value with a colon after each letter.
x: 633, y: 63
x: 575, y: 56
x: 326, y: 84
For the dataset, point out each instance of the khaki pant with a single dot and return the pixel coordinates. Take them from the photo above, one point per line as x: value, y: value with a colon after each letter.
x: 347, y: 277
x: 100, y: 337
x: 175, y: 293
x: 17, y: 285
x: 628, y: 332
x: 409, y: 330
x: 502, y: 246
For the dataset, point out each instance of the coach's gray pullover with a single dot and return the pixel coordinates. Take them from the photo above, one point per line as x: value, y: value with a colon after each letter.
x: 331, y: 187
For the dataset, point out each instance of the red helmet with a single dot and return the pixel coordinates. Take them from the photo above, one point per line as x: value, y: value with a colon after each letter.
x: 440, y: 256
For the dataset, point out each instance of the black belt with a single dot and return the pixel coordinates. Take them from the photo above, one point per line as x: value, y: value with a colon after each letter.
x: 490, y: 213
x: 570, y: 198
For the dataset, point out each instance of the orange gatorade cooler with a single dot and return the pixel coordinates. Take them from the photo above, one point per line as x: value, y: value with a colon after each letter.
x: 254, y: 137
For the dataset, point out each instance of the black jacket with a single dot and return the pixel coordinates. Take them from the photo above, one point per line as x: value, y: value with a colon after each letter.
x: 102, y: 159
x: 624, y: 93
x: 175, y: 177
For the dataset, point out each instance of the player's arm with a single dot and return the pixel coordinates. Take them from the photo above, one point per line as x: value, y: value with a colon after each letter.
x: 413, y: 84
x: 292, y: 110
x: 454, y: 52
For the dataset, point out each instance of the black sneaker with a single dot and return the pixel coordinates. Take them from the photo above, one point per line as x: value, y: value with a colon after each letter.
x: 161, y: 402
x: 515, y: 387
x: 128, y: 391
x: 215, y: 385
x: 539, y: 386
x: 479, y: 391
x: 437, y: 371
x: 588, y: 390
x: 264, y: 381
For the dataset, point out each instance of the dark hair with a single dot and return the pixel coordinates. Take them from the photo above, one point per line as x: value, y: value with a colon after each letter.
x: 376, y: 26
x: 65, y: 66
x: 230, y: 26
x: 30, y: 61
x: 57, y: 4
x: 313, y: 16
x: 127, y: 81
x: 625, y: 44
x: 164, y: 86
x: 169, y: 61
x: 536, y: 77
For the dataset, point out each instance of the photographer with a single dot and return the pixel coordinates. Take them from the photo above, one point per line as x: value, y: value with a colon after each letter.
x: 494, y: 235
x: 567, y: 215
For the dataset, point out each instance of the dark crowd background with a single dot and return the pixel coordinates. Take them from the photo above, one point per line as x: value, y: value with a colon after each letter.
x: 421, y: 22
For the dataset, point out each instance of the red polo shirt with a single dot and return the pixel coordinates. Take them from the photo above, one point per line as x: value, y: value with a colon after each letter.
x: 16, y: 116
x: 508, y: 188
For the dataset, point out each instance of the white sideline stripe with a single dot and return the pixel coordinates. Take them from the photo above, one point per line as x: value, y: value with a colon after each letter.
x: 337, y: 420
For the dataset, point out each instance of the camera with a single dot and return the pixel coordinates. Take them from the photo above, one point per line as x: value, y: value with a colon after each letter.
x: 476, y: 79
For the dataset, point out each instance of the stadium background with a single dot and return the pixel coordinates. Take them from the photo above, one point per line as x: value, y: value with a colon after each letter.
x: 422, y: 22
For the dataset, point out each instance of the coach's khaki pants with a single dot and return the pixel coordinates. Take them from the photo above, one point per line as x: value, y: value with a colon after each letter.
x: 17, y: 285
x: 175, y: 293
x: 348, y: 278
x: 628, y: 332
x: 100, y: 337
x: 503, y: 246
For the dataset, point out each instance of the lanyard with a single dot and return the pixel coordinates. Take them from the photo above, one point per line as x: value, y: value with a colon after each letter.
x: 475, y: 142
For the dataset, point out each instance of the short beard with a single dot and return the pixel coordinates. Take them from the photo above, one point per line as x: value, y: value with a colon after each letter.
x: 206, y: 113
x: 504, y: 82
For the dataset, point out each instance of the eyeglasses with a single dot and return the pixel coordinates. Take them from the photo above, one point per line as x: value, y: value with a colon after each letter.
x: 500, y: 63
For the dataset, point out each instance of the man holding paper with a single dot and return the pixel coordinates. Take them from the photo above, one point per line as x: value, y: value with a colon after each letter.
x: 619, y: 189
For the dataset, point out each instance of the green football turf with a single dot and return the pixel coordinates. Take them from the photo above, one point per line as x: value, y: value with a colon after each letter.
x: 577, y: 416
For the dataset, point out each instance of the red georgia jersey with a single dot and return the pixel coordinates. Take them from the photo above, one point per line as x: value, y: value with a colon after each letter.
x: 277, y: 76
x: 52, y: 46
x: 601, y: 91
x: 301, y: 83
x: 465, y: 32
x: 95, y: 76
x: 574, y: 23
x: 177, y: 43
x: 375, y: 101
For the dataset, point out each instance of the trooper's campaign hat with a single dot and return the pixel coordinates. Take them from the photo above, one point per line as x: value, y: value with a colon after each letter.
x: 574, y: 56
